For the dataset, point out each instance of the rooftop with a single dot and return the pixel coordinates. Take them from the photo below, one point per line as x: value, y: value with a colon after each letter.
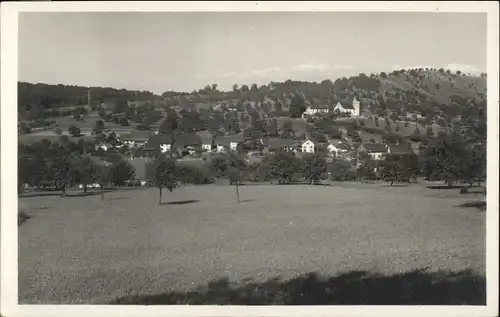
x: 375, y: 147
x: 277, y: 143
x: 399, y: 149
x: 136, y: 136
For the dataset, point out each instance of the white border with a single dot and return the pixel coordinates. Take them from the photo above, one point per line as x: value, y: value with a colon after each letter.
x: 9, y: 39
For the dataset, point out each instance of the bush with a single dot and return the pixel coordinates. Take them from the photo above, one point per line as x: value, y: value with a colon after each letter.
x: 193, y: 175
x: 22, y: 217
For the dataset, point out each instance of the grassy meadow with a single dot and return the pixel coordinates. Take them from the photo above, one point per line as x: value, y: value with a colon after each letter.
x: 83, y: 249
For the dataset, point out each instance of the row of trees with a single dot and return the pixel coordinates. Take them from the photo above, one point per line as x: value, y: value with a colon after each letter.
x: 62, y: 165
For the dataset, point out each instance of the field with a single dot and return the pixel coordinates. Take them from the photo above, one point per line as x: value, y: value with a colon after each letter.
x: 84, y: 250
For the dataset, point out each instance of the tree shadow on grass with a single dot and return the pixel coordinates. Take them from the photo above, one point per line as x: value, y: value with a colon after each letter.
x: 84, y: 194
x: 418, y: 287
x: 39, y: 194
x: 396, y: 185
x: 247, y: 200
x: 479, y: 205
x: 180, y: 202
x: 58, y: 193
x: 456, y: 186
x: 120, y: 198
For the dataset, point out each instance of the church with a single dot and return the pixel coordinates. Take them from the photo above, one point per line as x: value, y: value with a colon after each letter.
x: 352, y: 108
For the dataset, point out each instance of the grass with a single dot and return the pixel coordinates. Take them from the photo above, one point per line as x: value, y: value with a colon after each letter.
x: 84, y: 250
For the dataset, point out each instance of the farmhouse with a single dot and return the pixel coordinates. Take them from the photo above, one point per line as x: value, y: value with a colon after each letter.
x: 189, y: 141
x: 276, y: 144
x: 336, y: 148
x: 229, y: 142
x: 162, y: 142
x: 316, y: 109
x: 376, y: 151
x: 135, y: 138
x: 400, y: 149
x: 207, y: 142
x: 308, y: 146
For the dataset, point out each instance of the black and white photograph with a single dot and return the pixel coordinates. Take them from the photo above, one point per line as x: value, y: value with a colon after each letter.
x: 251, y: 157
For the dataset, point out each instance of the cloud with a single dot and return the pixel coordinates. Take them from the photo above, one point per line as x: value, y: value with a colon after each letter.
x: 280, y: 71
x: 265, y: 72
x: 311, y: 67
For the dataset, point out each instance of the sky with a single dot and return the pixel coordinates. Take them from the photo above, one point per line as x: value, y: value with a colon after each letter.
x: 160, y: 51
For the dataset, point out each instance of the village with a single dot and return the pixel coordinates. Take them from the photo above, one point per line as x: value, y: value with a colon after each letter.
x: 139, y: 147
x: 249, y: 158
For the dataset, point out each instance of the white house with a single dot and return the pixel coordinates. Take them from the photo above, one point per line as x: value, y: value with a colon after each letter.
x: 316, y: 109
x: 161, y: 141
x: 308, y: 146
x: 231, y: 142
x: 206, y: 147
x: 352, y: 108
x: 135, y: 139
x: 165, y: 147
x: 376, y: 151
x: 207, y: 141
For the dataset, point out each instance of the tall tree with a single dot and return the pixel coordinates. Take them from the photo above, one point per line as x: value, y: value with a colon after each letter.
x: 297, y: 106
x: 314, y: 167
x: 162, y: 171
x: 218, y: 166
x: 121, y: 171
x: 234, y: 171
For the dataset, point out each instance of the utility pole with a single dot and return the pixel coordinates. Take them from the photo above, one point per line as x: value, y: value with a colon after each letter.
x: 88, y: 98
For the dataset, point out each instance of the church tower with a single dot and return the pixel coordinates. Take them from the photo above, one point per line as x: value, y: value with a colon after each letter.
x: 355, y: 104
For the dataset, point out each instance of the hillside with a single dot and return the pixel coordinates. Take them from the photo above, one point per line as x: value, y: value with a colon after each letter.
x: 35, y: 100
x: 427, y: 99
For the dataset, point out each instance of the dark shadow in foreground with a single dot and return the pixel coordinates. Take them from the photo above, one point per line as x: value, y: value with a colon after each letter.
x: 69, y: 194
x: 354, y: 288
x: 479, y: 205
x: 455, y: 186
x: 180, y: 202
x: 248, y: 200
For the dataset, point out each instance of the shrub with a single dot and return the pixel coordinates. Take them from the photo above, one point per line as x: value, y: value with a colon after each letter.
x: 22, y: 217
x: 193, y: 175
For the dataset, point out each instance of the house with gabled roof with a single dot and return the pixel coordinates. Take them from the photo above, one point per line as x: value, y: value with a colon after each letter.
x: 308, y: 146
x: 400, y: 149
x: 376, y: 151
x: 228, y: 142
x: 276, y: 144
x: 135, y: 138
x: 316, y: 108
x: 336, y: 147
x: 207, y: 141
x: 162, y: 142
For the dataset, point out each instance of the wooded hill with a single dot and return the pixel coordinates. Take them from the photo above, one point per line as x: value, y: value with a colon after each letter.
x: 430, y: 92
